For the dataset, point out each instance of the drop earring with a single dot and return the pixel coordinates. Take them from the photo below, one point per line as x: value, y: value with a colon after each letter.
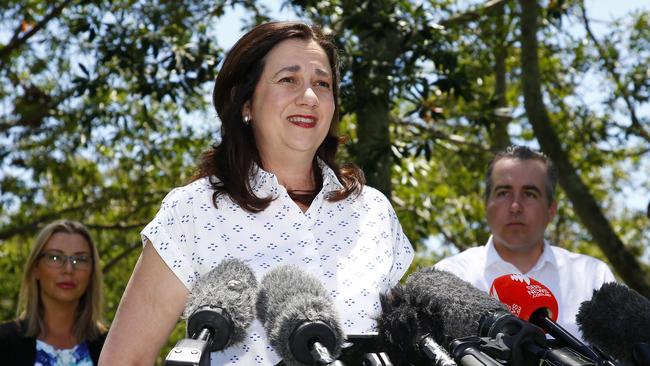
x: 247, y: 120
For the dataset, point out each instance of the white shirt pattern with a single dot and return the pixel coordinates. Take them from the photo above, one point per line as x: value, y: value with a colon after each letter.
x: 571, y: 277
x: 356, y: 247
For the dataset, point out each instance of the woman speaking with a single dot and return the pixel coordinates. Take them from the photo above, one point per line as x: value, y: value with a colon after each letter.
x: 269, y: 193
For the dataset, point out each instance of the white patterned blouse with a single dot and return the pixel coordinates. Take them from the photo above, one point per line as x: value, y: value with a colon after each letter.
x: 355, y: 246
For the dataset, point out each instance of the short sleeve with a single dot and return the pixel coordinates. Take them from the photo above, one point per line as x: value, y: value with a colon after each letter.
x: 170, y: 233
x: 402, y: 249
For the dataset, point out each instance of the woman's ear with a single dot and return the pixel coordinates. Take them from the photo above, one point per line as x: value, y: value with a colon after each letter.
x: 246, y: 109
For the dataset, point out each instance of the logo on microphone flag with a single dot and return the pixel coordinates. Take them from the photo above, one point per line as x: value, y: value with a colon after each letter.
x: 524, y: 295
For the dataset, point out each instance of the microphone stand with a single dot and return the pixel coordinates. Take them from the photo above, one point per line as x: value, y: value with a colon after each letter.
x: 467, y: 352
x: 322, y: 356
x: 190, y: 351
x: 310, y: 343
x: 435, y: 352
x: 376, y: 359
x: 208, y: 329
x: 541, y: 319
x: 527, y: 342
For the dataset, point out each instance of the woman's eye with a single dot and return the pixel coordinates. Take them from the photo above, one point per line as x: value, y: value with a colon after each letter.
x: 323, y: 84
x: 287, y: 79
x: 82, y: 258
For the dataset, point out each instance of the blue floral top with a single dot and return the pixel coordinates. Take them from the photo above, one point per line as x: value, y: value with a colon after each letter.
x: 47, y: 355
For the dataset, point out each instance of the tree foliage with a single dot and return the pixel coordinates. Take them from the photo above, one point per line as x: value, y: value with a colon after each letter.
x: 105, y: 108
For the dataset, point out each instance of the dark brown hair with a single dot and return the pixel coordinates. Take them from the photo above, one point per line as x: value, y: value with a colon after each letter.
x: 228, y: 164
x: 524, y: 153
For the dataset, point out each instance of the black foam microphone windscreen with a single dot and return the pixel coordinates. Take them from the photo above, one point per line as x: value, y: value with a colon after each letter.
x: 400, y: 329
x: 432, y: 303
x: 297, y: 312
x: 454, y: 304
x: 230, y: 288
x: 615, y: 319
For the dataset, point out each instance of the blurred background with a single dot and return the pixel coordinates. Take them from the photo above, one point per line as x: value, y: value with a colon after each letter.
x: 105, y: 106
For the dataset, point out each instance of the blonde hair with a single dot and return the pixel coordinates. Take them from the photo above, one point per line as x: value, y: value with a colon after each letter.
x: 88, y: 324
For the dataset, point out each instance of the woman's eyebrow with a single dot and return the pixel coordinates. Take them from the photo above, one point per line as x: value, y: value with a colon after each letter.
x: 322, y: 72
x: 292, y: 68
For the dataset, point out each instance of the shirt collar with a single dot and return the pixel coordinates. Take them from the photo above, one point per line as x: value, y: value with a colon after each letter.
x: 493, y: 258
x: 262, y: 181
x: 330, y: 181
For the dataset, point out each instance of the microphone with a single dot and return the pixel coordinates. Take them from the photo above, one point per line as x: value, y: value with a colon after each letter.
x: 524, y: 296
x: 220, y: 306
x: 408, y: 337
x: 299, y: 317
x: 531, y: 301
x: 475, y: 328
x: 617, y: 320
x: 430, y: 310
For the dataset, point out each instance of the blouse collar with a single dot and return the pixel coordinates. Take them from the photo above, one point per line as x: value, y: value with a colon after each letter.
x: 264, y: 182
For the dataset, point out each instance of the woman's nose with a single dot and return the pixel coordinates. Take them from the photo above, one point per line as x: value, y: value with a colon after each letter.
x: 68, y: 266
x: 308, y: 97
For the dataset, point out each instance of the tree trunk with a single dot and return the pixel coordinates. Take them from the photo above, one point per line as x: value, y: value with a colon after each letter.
x: 584, y: 204
x: 373, y: 147
x: 500, y: 137
x: 372, y: 85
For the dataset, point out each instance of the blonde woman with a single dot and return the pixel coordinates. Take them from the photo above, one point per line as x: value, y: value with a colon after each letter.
x: 60, y: 307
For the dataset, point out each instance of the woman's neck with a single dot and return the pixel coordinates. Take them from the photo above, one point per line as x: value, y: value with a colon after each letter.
x: 293, y: 174
x: 59, y: 322
x: 297, y: 176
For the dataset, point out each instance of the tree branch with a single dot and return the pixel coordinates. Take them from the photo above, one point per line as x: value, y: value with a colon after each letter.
x: 117, y: 226
x: 473, y: 14
x: 125, y: 253
x: 32, y: 226
x: 454, y: 139
x: 17, y: 40
x: 450, y: 238
x: 611, y: 68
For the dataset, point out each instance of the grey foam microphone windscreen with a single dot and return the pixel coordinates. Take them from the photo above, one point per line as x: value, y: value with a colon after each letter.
x: 614, y: 319
x: 289, y: 297
x: 230, y: 286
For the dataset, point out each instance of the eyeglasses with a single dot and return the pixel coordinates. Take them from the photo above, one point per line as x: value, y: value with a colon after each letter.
x: 58, y: 260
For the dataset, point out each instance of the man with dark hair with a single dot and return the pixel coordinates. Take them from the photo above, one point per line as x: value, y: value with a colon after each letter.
x: 519, y: 205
